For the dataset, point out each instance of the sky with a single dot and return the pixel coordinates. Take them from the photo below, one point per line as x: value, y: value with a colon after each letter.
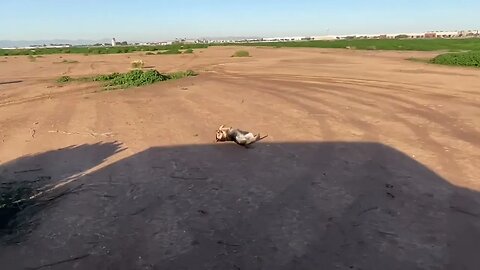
x: 158, y: 20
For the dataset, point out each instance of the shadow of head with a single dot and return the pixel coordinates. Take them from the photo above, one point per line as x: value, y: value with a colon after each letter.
x: 277, y: 206
x: 23, y: 178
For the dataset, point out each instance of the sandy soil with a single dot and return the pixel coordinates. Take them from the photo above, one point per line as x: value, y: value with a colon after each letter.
x: 372, y: 162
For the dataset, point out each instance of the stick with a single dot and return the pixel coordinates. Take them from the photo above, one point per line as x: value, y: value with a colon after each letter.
x: 93, y: 134
x: 32, y: 170
x: 464, y: 211
x: 59, y: 262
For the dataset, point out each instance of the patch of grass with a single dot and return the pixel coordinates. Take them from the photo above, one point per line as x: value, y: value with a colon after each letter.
x: 20, y: 204
x: 108, y: 77
x: 467, y: 59
x: 66, y: 61
x: 172, y: 51
x: 137, y: 64
x: 241, y: 54
x: 182, y: 74
x: 188, y: 51
x: 16, y: 208
x: 133, y: 78
x: 64, y: 79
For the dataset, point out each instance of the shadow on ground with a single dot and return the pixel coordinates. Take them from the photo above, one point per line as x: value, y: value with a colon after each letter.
x: 30, y: 175
x: 276, y: 206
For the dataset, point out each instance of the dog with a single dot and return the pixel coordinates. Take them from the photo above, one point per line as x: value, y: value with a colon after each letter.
x: 240, y: 137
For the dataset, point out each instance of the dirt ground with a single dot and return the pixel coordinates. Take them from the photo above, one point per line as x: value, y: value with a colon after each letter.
x: 372, y: 162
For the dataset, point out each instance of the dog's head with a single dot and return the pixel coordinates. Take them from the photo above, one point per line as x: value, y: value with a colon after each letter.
x: 221, y: 134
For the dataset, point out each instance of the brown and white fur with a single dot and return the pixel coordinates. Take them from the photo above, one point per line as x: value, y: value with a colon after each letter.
x: 240, y: 137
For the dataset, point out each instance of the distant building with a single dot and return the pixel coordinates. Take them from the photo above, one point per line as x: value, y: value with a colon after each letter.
x: 446, y: 34
x: 114, y: 42
x: 330, y: 37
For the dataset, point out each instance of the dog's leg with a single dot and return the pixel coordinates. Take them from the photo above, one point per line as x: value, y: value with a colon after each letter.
x: 259, y: 138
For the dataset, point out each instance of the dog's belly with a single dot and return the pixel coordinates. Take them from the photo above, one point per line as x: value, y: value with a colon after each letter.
x: 245, y: 138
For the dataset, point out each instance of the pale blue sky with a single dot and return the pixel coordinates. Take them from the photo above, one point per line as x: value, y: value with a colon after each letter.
x: 149, y: 20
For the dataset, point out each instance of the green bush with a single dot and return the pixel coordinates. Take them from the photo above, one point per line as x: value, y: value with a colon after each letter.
x: 108, y: 77
x: 182, y: 74
x: 66, y: 61
x: 136, y: 78
x: 64, y: 79
x: 470, y: 59
x: 241, y: 54
x: 132, y: 78
x: 171, y: 51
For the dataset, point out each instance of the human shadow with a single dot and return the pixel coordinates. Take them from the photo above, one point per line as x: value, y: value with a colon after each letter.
x: 25, y: 177
x: 330, y: 205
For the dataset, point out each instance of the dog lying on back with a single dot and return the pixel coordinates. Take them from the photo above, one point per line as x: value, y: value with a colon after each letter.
x: 240, y: 137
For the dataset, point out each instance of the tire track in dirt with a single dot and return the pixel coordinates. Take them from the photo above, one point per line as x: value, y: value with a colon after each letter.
x: 52, y: 95
x: 323, y: 126
x: 312, y: 110
x: 445, y: 159
x: 421, y: 133
x: 37, y: 122
x: 249, y: 111
x: 448, y: 123
x: 129, y: 120
x: 428, y: 91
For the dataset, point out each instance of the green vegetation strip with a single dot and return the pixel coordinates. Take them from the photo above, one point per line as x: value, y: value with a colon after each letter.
x: 454, y: 45
x: 173, y: 49
x: 470, y: 44
x: 132, y: 78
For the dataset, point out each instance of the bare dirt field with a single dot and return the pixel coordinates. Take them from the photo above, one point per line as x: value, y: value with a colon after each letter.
x: 372, y: 162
